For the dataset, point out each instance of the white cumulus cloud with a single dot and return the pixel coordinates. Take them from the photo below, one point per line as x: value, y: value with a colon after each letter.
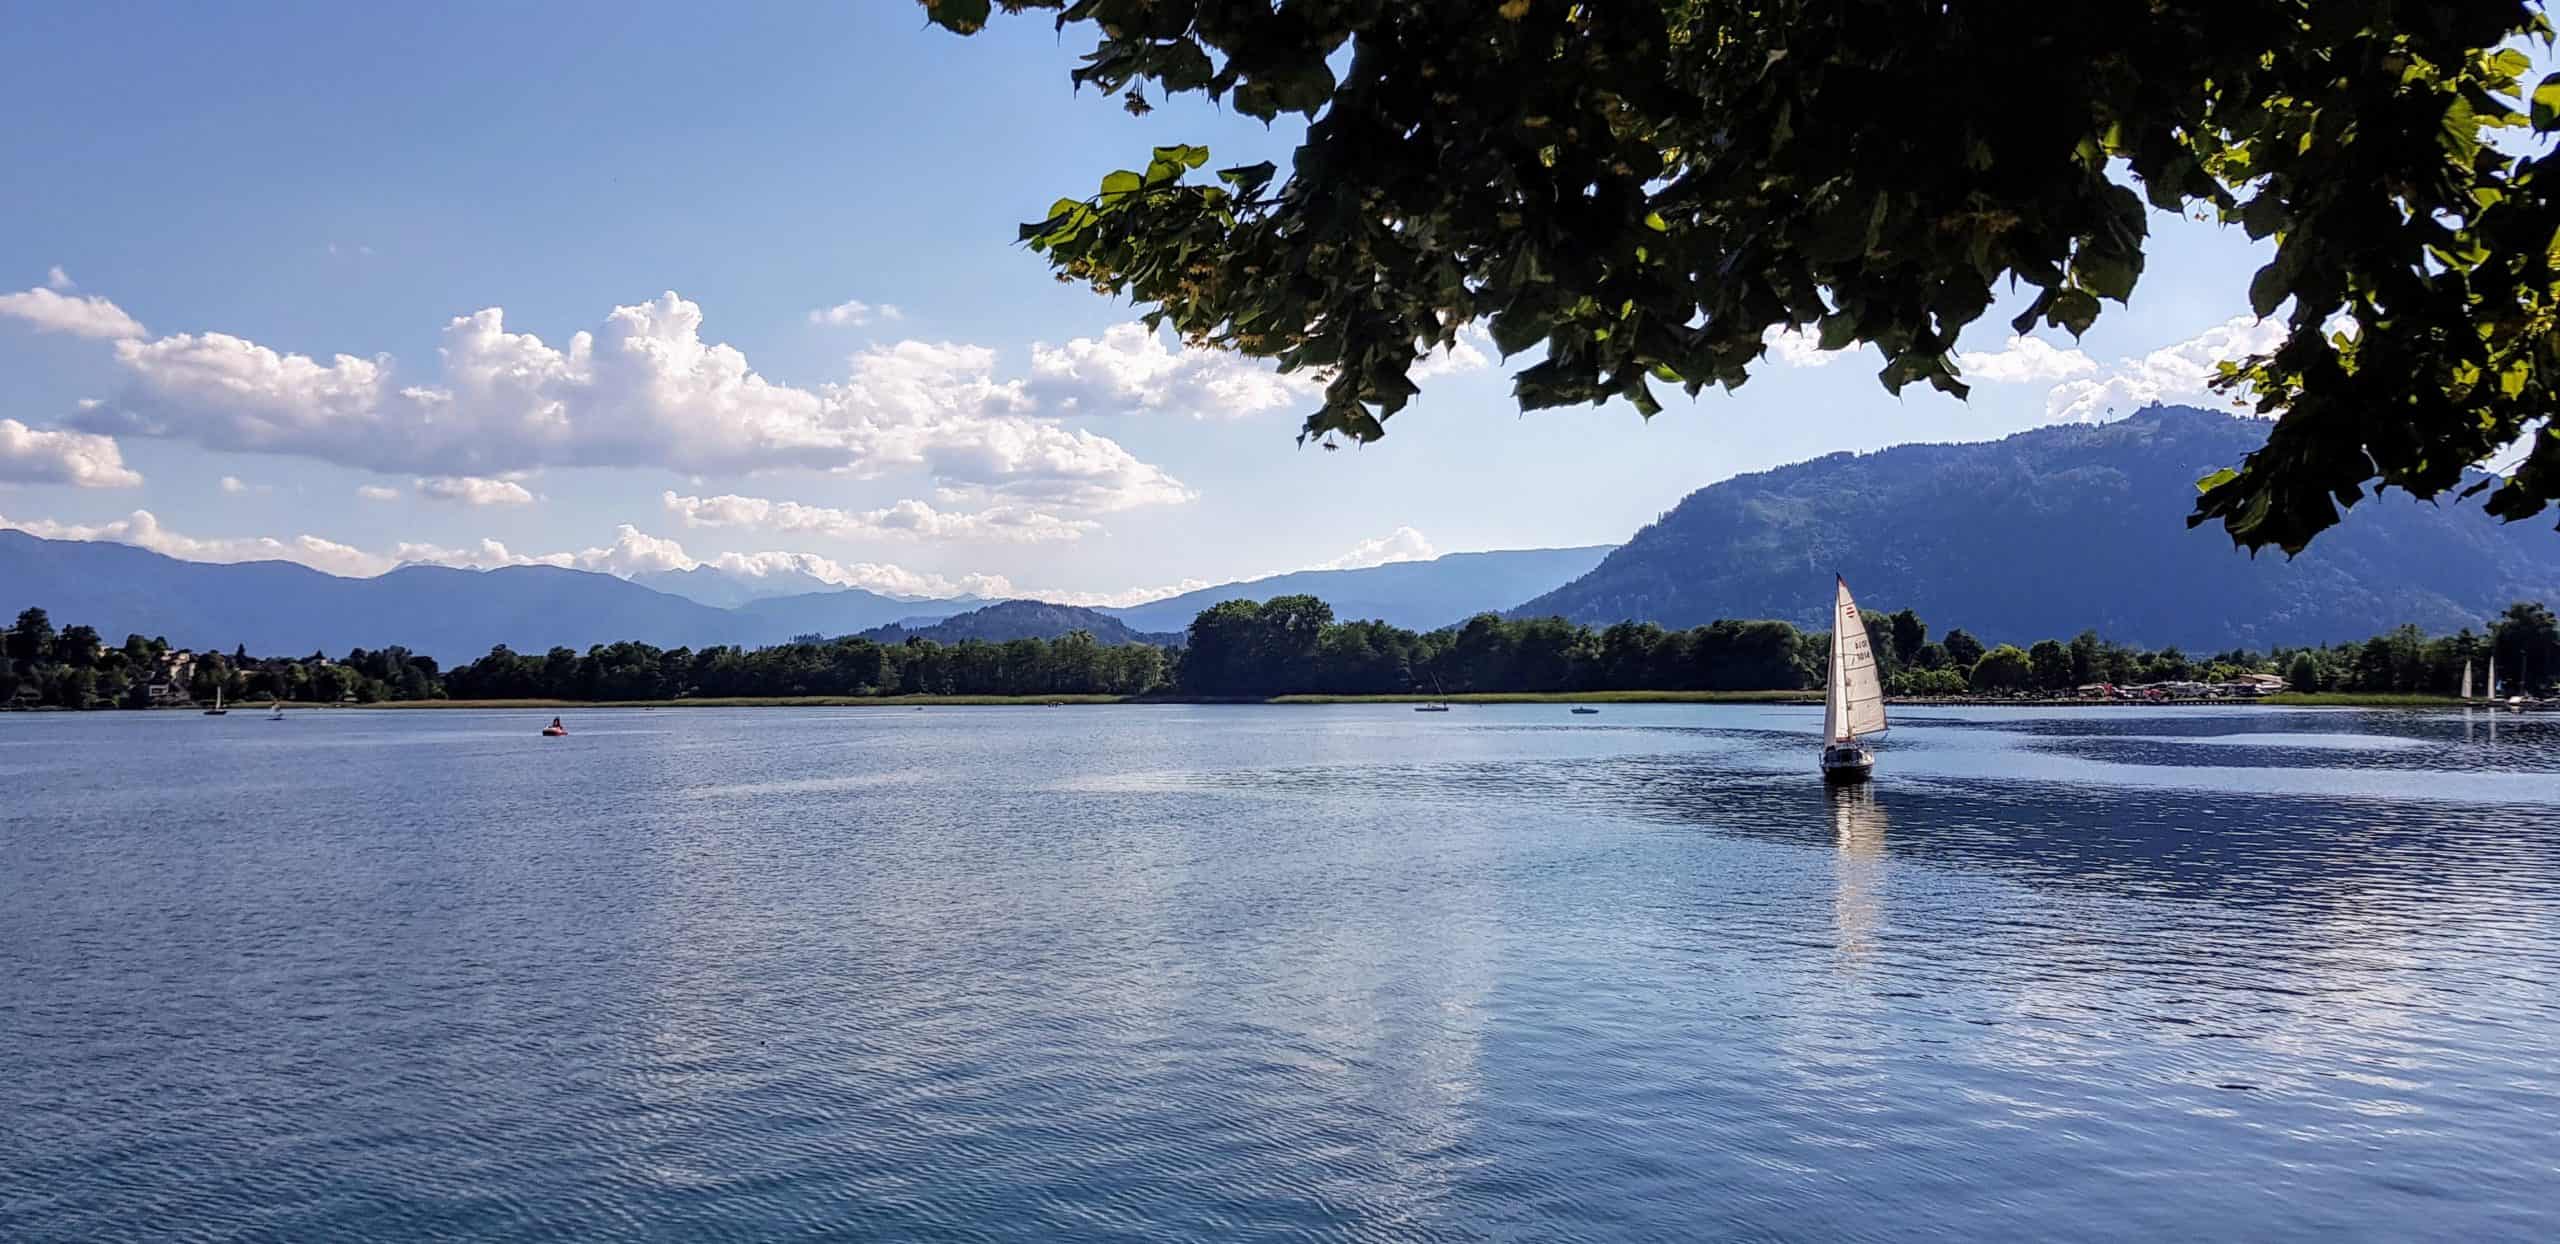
x: 377, y: 492
x: 473, y: 490
x: 236, y: 486
x: 51, y: 311
x: 909, y: 519
x: 53, y: 456
x: 1404, y: 544
x: 2175, y: 373
x: 856, y: 313
x: 142, y: 529
x: 1799, y: 349
x: 1470, y: 352
x: 1120, y: 599
x: 2024, y: 360
x: 636, y: 552
x: 56, y: 278
x: 1131, y: 368
x: 642, y: 390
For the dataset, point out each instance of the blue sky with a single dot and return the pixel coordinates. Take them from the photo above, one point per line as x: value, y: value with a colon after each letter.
x: 250, y: 192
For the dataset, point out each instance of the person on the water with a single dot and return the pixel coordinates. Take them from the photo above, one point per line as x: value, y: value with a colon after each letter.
x: 555, y: 724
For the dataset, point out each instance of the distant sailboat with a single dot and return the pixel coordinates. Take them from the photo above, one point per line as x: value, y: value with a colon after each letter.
x: 1435, y: 706
x: 217, y: 710
x: 2493, y: 673
x: 1853, y: 697
x: 276, y: 711
x: 2466, y: 679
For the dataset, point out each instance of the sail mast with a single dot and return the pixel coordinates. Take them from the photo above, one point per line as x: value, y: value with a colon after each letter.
x: 1831, y: 685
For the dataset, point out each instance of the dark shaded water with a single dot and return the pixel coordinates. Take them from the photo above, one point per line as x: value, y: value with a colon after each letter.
x: 1266, y: 973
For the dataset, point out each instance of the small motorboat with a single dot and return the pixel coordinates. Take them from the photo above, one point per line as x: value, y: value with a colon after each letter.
x: 555, y: 730
x: 1433, y: 707
x: 1583, y: 710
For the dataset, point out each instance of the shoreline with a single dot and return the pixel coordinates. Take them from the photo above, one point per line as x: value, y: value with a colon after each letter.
x: 1805, y: 699
x: 1801, y: 698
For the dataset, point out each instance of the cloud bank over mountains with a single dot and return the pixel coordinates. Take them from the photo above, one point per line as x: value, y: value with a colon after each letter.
x: 644, y: 389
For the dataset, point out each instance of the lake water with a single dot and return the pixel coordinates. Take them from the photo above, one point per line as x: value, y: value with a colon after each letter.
x: 1278, y: 973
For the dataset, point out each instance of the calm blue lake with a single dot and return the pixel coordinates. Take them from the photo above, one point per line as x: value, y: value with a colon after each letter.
x: 1278, y: 973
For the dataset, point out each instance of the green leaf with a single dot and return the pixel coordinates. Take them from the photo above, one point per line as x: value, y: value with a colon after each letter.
x: 2268, y: 289
x: 2546, y: 104
x: 960, y: 17
x: 2216, y: 480
x: 2073, y: 310
x: 1183, y: 67
x: 1839, y: 331
x: 2107, y: 276
x: 1517, y: 330
x: 1121, y: 182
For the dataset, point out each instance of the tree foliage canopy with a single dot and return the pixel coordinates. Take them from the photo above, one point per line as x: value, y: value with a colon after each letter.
x: 1643, y: 189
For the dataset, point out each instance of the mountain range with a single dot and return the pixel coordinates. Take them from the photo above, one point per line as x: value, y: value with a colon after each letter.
x: 726, y: 589
x: 2045, y: 533
x: 846, y: 611
x: 1025, y: 619
x: 1421, y: 595
x: 281, y: 608
x: 2054, y: 531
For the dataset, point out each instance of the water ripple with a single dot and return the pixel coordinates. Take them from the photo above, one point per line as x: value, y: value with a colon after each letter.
x: 1301, y: 974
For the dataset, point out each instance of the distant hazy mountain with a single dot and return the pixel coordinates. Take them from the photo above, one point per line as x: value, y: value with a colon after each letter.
x: 1421, y: 595
x: 722, y: 589
x: 842, y: 611
x: 1023, y: 619
x: 278, y: 608
x: 2052, y: 531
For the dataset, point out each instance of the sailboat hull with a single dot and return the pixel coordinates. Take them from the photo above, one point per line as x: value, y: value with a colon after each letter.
x: 1845, y: 764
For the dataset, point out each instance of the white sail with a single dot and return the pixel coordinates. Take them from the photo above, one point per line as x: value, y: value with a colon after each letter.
x: 1855, y: 705
x: 2493, y: 675
x: 1831, y: 688
x: 2466, y: 680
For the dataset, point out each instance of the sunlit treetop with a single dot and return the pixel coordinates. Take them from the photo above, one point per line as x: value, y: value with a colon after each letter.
x: 1643, y: 189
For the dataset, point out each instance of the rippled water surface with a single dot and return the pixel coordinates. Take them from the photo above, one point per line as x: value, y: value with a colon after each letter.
x: 1278, y: 973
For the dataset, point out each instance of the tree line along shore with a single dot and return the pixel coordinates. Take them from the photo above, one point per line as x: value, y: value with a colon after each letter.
x: 1289, y: 649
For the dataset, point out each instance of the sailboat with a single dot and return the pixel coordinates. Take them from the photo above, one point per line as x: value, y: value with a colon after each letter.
x: 2493, y: 673
x: 276, y: 711
x: 1853, y: 696
x: 217, y: 710
x: 1435, y: 706
x: 2466, y: 679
